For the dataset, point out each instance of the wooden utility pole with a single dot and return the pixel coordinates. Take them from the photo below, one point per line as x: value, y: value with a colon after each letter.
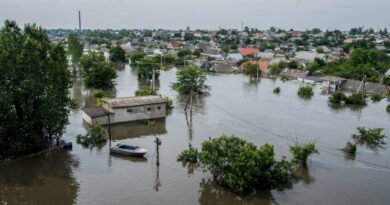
x: 158, y: 143
x: 109, y: 127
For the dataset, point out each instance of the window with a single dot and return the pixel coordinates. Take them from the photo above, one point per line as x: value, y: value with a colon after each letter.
x: 159, y: 108
x: 129, y: 110
x: 149, y: 109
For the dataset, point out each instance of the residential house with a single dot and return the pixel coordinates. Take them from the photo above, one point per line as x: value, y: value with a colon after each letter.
x: 245, y: 52
x: 293, y: 74
x: 173, y: 45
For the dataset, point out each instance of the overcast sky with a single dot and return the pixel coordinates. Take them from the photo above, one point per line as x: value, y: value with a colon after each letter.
x: 205, y: 14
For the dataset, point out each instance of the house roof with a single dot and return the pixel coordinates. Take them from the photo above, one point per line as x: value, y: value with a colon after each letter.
x: 133, y: 101
x: 95, y: 111
x: 248, y: 51
x: 174, y: 44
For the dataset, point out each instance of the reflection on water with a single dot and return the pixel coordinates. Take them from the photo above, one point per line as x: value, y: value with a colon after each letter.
x: 136, y: 129
x: 41, y: 179
x: 213, y: 194
x: 302, y: 173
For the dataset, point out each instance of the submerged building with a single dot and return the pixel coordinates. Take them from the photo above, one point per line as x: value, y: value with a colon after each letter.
x: 126, y: 109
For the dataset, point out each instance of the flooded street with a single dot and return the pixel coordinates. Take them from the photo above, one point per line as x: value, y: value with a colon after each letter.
x: 236, y: 105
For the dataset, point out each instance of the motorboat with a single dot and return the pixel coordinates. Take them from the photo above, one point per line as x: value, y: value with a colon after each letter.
x: 128, y: 150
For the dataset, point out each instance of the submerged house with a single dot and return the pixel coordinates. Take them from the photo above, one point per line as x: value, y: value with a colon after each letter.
x: 126, y: 109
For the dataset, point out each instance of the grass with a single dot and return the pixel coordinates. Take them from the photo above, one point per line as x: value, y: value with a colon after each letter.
x: 376, y: 97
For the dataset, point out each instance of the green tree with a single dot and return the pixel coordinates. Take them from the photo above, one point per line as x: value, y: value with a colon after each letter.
x: 117, y: 54
x: 191, y: 79
x: 252, y: 70
x: 146, y: 67
x: 135, y: 57
x: 301, y: 152
x: 35, y: 81
x: 184, y: 52
x: 97, y: 72
x: 75, y: 49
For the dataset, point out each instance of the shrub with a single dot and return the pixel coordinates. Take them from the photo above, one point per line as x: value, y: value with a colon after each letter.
x: 189, y: 155
x: 144, y: 91
x: 376, y: 97
x: 169, y: 102
x: 277, y: 90
x: 370, y: 137
x: 306, y: 91
x: 350, y: 148
x: 301, y: 152
x: 98, y: 93
x: 337, y: 97
x: 94, y: 136
x: 356, y: 99
x: 243, y: 167
x: 149, y: 123
x: 252, y: 70
x: 388, y: 108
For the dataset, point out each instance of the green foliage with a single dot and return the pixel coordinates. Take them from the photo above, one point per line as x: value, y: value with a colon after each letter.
x: 243, y: 167
x: 197, y: 52
x: 136, y: 57
x: 277, y: 90
x: 350, y: 148
x: 145, y: 69
x: 183, y: 52
x: 98, y: 93
x: 301, y: 152
x: 277, y: 68
x: 240, y: 62
x: 306, y: 91
x: 293, y: 64
x: 371, y: 137
x: 75, y: 49
x: 353, y: 99
x: 388, y: 108
x: 117, y: 54
x: 252, y: 70
x: 356, y: 99
x: 34, y: 91
x: 189, y: 155
x: 96, y: 135
x: 97, y: 72
x: 144, y: 91
x: 169, y: 102
x: 190, y: 78
x: 337, y: 97
x: 376, y: 97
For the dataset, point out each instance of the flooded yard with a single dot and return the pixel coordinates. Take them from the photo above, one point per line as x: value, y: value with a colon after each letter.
x: 236, y: 105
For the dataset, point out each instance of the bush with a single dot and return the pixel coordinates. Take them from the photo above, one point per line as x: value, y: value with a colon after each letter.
x: 370, y: 137
x: 305, y: 91
x: 337, y: 97
x: 189, y: 155
x: 350, y: 148
x: 277, y: 90
x: 144, y: 91
x: 252, y: 70
x: 356, y: 99
x: 388, y: 108
x: 94, y: 136
x: 243, y: 167
x: 169, y: 102
x: 98, y: 93
x: 376, y: 97
x: 301, y: 152
x: 149, y: 123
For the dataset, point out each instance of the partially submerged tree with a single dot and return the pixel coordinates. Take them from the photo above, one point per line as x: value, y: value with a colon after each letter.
x: 277, y: 90
x: 146, y: 68
x: 75, y: 50
x: 252, y: 70
x: 136, y: 57
x: 97, y: 72
x: 301, y: 152
x: 94, y: 136
x: 350, y: 148
x: 144, y: 91
x: 35, y: 81
x: 117, y: 55
x: 191, y: 80
x: 305, y: 91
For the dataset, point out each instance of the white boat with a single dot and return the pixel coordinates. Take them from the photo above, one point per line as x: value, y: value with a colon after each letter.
x: 128, y: 150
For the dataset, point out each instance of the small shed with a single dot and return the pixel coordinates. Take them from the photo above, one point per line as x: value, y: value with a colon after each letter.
x: 126, y: 109
x: 294, y: 74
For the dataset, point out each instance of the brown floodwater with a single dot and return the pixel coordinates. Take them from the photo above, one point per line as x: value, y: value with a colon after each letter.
x: 236, y: 105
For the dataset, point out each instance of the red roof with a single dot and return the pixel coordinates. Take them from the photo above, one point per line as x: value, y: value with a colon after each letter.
x: 248, y: 51
x: 174, y: 44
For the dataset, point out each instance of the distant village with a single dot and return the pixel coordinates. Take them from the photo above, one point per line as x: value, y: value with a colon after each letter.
x: 311, y: 56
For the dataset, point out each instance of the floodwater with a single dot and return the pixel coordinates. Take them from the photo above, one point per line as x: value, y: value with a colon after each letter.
x: 236, y: 105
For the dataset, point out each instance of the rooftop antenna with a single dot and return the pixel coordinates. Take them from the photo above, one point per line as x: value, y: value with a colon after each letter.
x: 79, y: 20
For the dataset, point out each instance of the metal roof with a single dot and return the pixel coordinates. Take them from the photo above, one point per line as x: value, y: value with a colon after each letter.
x: 133, y: 101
